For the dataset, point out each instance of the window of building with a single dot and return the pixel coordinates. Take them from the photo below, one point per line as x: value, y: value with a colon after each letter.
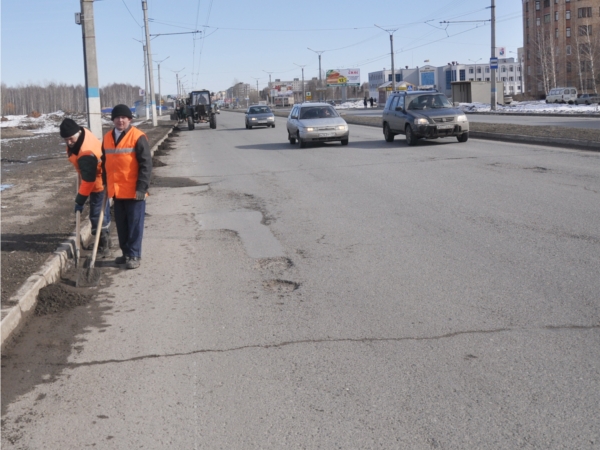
x: 568, y: 14
x: 568, y: 32
x: 471, y: 70
x: 511, y: 79
x: 568, y: 67
x: 527, y: 7
x: 584, y: 50
x: 487, y: 70
x: 585, y: 30
x: 503, y: 78
x: 584, y: 12
x: 503, y: 69
x: 538, y: 21
x: 537, y: 5
x: 511, y: 69
x: 556, y: 16
x: 479, y: 70
x: 546, y: 3
x: 546, y: 18
x: 462, y: 75
x: 568, y: 50
x: 487, y: 79
x: 556, y: 32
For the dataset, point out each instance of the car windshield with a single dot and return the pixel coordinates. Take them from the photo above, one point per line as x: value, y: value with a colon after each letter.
x: 428, y: 101
x: 259, y: 110
x: 318, y: 112
x: 200, y: 98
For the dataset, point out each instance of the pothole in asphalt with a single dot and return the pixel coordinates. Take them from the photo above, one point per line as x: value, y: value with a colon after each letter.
x: 59, y: 297
x: 280, y: 286
x: 274, y: 264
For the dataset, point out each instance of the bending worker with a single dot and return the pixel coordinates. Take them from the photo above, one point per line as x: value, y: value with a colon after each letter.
x: 126, y: 168
x: 84, y: 151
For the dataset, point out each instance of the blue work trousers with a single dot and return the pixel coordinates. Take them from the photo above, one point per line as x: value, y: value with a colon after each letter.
x: 95, y: 207
x: 129, y: 218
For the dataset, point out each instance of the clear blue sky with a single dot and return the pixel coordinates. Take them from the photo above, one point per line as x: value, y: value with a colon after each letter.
x: 241, y: 39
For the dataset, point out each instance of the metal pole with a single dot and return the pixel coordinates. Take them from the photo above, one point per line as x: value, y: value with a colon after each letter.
x: 91, y: 69
x: 493, y: 91
x: 152, y: 97
x: 146, y: 84
x: 392, y: 52
x: 159, y: 91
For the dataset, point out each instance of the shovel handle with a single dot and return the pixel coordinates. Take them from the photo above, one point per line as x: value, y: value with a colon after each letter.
x: 98, y: 230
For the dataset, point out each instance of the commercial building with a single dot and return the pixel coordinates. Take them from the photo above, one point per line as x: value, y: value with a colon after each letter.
x: 562, y: 45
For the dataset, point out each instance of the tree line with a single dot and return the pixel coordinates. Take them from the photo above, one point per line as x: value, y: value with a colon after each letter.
x: 25, y: 99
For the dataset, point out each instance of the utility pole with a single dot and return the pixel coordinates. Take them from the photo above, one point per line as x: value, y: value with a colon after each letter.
x: 303, y: 93
x: 91, y: 68
x: 257, y: 92
x: 270, y: 102
x: 319, y: 52
x: 391, y: 32
x: 146, y: 83
x: 493, y: 93
x: 149, y: 52
x: 159, y: 91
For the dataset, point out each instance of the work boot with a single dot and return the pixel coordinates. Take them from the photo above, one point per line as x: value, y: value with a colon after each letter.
x: 104, y: 244
x: 133, y: 262
x: 121, y: 259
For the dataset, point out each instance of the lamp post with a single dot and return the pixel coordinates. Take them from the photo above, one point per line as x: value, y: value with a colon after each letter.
x: 149, y: 52
x: 302, y: 67
x: 319, y: 52
x: 270, y: 99
x: 159, y: 90
x: 391, y: 32
x: 176, y: 72
x: 257, y: 92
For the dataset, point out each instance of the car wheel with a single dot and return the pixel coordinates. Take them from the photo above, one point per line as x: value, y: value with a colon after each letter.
x: 249, y: 127
x: 587, y: 103
x: 411, y: 139
x: 463, y: 137
x: 345, y: 141
x: 190, y: 123
x: 273, y: 125
x: 291, y: 138
x: 301, y: 141
x: 387, y: 133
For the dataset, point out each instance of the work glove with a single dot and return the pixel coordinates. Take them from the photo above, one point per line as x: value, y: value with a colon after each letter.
x: 78, y: 207
x: 140, y: 196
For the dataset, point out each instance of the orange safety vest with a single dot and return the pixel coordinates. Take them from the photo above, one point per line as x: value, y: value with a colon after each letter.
x: 91, y: 145
x: 121, y: 164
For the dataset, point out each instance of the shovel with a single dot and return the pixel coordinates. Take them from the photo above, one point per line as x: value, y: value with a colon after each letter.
x: 89, y: 276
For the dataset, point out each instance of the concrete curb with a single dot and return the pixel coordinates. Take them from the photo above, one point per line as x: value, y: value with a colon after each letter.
x: 555, y: 142
x: 25, y: 299
x: 502, y: 114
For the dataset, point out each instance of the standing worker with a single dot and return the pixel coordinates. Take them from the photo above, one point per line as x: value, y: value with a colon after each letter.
x: 126, y: 167
x: 84, y: 151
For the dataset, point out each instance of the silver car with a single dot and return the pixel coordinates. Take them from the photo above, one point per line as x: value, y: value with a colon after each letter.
x: 259, y: 116
x: 316, y: 122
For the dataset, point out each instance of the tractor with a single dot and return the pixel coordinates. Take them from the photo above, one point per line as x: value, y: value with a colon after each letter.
x: 200, y: 109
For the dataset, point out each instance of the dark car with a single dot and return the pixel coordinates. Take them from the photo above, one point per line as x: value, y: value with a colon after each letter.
x: 423, y: 115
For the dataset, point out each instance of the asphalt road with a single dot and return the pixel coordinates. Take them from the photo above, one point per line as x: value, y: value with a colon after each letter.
x: 359, y: 297
x: 532, y: 119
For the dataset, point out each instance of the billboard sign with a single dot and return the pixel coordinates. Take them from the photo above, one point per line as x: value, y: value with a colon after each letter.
x: 343, y: 77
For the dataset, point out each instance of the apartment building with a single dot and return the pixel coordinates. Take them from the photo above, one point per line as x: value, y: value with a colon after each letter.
x: 561, y: 41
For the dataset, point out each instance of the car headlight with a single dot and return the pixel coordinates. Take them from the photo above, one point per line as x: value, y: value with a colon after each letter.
x: 309, y: 129
x: 342, y: 127
x: 462, y: 118
x: 270, y: 118
x: 253, y: 118
x: 421, y: 121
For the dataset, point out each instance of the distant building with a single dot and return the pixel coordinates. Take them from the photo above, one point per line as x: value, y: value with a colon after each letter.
x: 561, y: 45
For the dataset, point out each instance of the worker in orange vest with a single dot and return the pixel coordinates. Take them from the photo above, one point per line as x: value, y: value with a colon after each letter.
x: 126, y: 169
x: 84, y: 151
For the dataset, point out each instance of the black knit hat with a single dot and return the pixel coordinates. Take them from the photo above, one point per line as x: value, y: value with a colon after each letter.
x: 121, y: 111
x: 69, y: 128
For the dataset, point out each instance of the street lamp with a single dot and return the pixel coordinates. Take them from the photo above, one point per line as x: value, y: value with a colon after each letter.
x: 303, y: 94
x: 391, y: 32
x: 159, y: 91
x: 257, y: 92
x: 319, y: 52
x: 176, y: 72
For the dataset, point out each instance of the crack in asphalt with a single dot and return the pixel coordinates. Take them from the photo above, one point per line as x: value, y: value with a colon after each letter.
x: 325, y: 341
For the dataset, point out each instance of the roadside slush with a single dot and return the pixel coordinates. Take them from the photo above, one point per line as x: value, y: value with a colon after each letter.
x: 37, y: 218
